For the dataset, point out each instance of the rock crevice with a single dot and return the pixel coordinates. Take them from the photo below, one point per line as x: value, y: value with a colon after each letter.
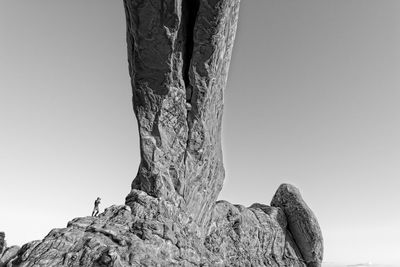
x: 179, y: 53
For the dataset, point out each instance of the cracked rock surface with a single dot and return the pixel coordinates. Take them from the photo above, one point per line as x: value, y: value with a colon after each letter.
x: 7, y: 254
x: 302, y: 223
x: 156, y: 233
x: 179, y: 53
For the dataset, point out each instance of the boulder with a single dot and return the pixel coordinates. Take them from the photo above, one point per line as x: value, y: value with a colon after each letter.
x: 302, y: 223
x: 9, y: 256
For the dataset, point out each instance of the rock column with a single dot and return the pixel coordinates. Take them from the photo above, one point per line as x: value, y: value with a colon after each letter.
x: 179, y: 53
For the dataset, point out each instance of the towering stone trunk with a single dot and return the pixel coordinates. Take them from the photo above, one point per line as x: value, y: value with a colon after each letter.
x: 179, y: 53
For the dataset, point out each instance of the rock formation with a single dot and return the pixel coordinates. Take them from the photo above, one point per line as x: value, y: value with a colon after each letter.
x: 157, y: 233
x: 3, y: 243
x: 7, y: 255
x: 302, y: 223
x: 179, y: 53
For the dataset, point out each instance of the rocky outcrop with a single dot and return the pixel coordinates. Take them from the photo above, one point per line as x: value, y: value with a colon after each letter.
x: 156, y: 233
x: 179, y: 53
x: 3, y: 243
x: 302, y: 223
x: 254, y: 236
x: 9, y: 255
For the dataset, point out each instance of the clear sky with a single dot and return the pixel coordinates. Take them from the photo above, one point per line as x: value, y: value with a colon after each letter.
x: 312, y: 99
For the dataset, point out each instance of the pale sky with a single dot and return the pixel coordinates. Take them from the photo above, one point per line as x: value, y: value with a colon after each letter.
x: 312, y: 99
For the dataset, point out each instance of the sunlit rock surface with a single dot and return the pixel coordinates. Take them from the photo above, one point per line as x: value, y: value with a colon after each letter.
x: 156, y: 233
x: 3, y: 243
x: 9, y: 255
x: 302, y: 223
x: 179, y: 53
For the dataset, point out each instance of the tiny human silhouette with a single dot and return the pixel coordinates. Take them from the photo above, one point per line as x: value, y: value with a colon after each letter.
x: 96, y: 207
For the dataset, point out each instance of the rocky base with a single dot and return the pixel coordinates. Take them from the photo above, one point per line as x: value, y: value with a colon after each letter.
x: 3, y: 243
x: 7, y: 254
x: 152, y: 232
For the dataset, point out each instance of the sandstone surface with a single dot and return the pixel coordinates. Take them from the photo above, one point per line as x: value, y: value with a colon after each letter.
x: 302, y: 223
x: 156, y: 233
x: 179, y: 53
x: 3, y: 243
x: 9, y: 255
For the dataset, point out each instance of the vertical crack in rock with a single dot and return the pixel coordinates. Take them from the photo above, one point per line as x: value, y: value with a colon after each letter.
x: 190, y: 10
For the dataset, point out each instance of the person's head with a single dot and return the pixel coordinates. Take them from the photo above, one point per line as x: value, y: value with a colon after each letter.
x: 98, y: 198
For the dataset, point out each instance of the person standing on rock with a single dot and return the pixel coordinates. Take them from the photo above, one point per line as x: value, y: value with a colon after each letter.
x: 96, y: 207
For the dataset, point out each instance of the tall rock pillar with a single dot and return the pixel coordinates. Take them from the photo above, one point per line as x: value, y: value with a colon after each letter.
x: 179, y: 53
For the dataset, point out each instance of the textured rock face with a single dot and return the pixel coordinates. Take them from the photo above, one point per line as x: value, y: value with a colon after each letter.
x: 302, y: 223
x: 9, y: 255
x: 254, y: 236
x: 3, y: 244
x: 179, y: 53
x: 156, y: 233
